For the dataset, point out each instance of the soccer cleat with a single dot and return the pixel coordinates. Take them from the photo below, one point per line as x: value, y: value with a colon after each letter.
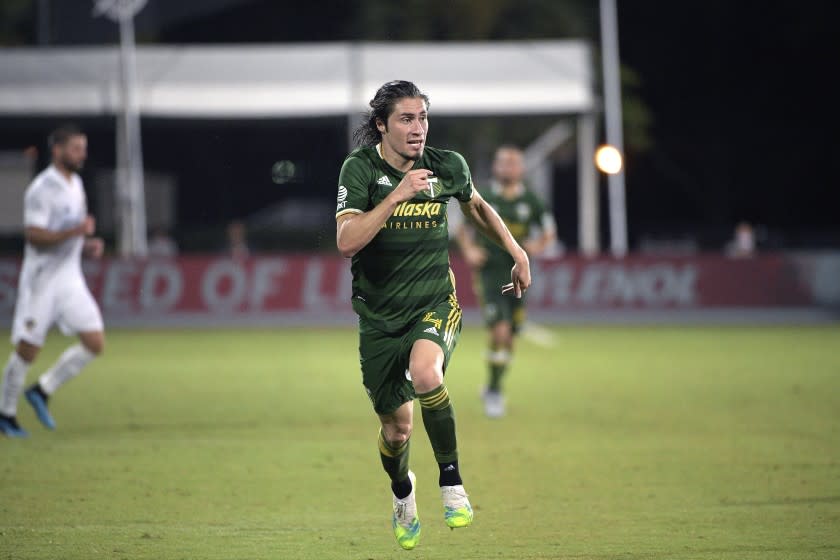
x: 10, y: 428
x: 406, y: 523
x: 457, y: 511
x: 494, y: 403
x: 40, y: 405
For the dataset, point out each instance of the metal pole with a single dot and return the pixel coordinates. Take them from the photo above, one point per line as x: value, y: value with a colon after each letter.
x: 131, y: 196
x: 134, y: 231
x: 588, y: 227
x: 615, y: 134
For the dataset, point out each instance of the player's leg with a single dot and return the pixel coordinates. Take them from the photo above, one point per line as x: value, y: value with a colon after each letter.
x: 78, y: 314
x: 385, y: 379
x: 14, y: 376
x: 32, y: 319
x: 499, y: 354
x: 430, y: 353
x: 394, y: 441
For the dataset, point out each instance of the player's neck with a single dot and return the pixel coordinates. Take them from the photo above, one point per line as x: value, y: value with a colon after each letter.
x: 394, y: 159
x: 511, y: 189
x: 66, y: 173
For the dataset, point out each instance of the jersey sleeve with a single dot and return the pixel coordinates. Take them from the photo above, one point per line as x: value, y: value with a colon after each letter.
x: 36, y: 208
x: 541, y: 217
x: 462, y: 178
x: 353, y: 187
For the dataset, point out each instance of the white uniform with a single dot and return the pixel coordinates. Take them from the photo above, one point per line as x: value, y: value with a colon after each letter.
x: 52, y: 287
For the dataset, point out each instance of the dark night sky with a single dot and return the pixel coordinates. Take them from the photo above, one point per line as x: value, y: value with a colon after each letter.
x: 743, y: 109
x: 740, y: 94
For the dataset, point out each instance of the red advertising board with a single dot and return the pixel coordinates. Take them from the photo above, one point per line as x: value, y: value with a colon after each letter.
x: 321, y: 285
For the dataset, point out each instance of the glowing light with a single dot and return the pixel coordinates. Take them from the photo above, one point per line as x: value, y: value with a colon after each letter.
x: 608, y: 159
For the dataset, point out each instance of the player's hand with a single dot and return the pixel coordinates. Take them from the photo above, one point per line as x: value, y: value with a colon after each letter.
x: 520, y: 277
x: 94, y: 247
x: 475, y: 256
x: 89, y: 225
x: 415, y: 181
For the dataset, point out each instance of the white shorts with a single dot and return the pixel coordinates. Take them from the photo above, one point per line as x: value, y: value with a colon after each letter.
x: 65, y: 301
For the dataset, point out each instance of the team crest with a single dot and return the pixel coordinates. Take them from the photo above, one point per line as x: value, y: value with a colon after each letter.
x: 522, y: 211
x: 435, y: 187
x: 29, y: 324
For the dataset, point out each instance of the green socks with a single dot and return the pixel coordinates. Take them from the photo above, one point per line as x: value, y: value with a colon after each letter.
x: 439, y: 420
x: 394, y: 460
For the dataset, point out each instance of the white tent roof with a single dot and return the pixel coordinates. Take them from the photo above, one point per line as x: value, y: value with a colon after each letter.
x: 300, y: 80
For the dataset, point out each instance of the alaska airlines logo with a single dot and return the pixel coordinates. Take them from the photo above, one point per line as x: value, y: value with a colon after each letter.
x: 417, y: 215
x: 425, y: 209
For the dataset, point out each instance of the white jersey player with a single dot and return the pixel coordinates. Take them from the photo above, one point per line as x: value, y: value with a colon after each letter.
x: 52, y: 289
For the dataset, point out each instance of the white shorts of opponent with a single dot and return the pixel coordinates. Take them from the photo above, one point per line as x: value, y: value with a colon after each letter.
x: 65, y: 301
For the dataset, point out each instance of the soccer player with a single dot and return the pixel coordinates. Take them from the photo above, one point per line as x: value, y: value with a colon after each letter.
x: 523, y: 213
x: 51, y: 288
x: 391, y: 219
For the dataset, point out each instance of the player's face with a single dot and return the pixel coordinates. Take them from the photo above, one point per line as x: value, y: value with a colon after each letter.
x: 508, y: 166
x: 72, y: 154
x: 405, y: 133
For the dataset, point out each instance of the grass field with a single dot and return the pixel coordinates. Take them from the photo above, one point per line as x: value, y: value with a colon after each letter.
x: 621, y: 443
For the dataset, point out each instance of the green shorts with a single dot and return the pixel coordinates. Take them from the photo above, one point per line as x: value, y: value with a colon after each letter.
x: 495, y: 306
x: 384, y: 356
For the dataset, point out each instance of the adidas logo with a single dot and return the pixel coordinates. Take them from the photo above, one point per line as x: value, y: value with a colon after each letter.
x: 449, y: 468
x: 432, y: 330
x: 384, y: 180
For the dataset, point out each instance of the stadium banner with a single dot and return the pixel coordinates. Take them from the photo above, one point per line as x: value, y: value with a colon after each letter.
x: 318, y: 287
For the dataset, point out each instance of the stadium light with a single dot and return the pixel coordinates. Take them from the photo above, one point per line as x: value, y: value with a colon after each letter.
x: 608, y: 160
x: 131, y: 196
x: 612, y: 115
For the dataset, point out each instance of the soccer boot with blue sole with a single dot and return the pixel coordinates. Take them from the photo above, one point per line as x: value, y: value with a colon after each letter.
x: 34, y: 397
x: 10, y: 428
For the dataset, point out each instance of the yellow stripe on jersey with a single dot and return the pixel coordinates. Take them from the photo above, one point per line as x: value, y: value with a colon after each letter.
x: 348, y: 211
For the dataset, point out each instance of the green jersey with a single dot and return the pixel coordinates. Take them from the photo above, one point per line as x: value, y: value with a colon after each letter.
x: 404, y: 270
x: 520, y: 214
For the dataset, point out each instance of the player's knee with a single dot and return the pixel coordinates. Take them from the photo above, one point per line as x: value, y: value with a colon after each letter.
x: 27, y: 352
x: 397, y: 434
x: 427, y: 378
x: 95, y: 345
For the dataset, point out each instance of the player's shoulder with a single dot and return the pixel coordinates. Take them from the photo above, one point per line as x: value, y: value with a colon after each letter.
x: 531, y: 197
x: 44, y: 182
x: 446, y: 162
x: 444, y: 157
x: 363, y: 155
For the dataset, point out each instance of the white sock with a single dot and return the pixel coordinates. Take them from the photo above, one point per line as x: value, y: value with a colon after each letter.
x: 68, y: 366
x: 14, y: 375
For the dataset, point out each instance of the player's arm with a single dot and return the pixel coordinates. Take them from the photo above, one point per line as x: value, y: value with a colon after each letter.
x: 354, y: 230
x: 42, y: 237
x: 94, y: 247
x: 485, y: 219
x: 546, y: 237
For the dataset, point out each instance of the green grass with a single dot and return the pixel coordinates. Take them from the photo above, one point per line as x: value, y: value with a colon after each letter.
x: 621, y: 443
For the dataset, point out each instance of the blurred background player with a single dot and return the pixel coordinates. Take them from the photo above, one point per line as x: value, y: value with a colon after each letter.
x: 391, y: 220
x: 524, y: 214
x: 237, y: 240
x: 52, y: 288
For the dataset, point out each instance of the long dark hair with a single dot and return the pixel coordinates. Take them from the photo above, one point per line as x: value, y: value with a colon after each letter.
x: 381, y: 107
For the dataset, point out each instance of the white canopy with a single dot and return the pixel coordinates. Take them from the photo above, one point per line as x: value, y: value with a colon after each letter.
x: 300, y: 80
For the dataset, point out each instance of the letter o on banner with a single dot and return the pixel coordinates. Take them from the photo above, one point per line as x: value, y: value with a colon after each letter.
x: 218, y: 274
